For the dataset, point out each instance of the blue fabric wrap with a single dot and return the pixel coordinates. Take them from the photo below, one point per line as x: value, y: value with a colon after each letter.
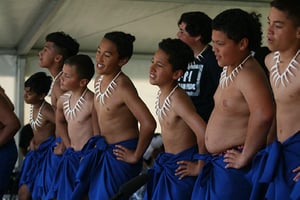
x: 100, y: 174
x: 216, y: 182
x: 8, y: 157
x: 64, y: 180
x: 32, y: 166
x: 164, y: 184
x: 47, y: 170
x: 279, y: 162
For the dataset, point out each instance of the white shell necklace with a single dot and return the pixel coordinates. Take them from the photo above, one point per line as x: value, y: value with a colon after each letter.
x: 225, y: 80
x: 69, y: 112
x: 283, y: 78
x: 37, y: 122
x: 160, y: 112
x: 108, y: 91
x: 52, y: 84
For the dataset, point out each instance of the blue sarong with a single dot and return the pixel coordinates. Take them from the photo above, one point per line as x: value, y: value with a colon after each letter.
x: 164, y: 184
x: 8, y: 158
x: 215, y: 182
x: 100, y: 174
x: 64, y: 179
x: 281, y: 159
x: 32, y: 166
x: 47, y: 170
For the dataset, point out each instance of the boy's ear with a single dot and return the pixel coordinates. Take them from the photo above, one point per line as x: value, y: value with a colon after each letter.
x: 83, y: 82
x: 177, y: 74
x: 123, y: 61
x: 244, y: 43
x: 58, y: 58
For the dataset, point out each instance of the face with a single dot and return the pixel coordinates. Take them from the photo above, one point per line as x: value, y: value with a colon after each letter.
x: 184, y: 36
x: 47, y: 55
x: 69, y: 79
x: 31, y: 97
x: 225, y: 49
x: 160, y: 70
x: 281, y: 33
x: 107, y: 58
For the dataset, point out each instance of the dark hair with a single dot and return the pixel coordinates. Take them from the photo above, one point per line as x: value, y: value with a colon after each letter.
x: 197, y: 24
x: 39, y: 83
x: 180, y: 54
x: 83, y: 64
x: 238, y: 24
x: 291, y: 7
x: 123, y: 42
x: 67, y: 45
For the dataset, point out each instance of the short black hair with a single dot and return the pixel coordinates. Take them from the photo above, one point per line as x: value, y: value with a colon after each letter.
x: 39, y: 83
x: 291, y: 7
x: 180, y: 54
x: 67, y: 45
x: 197, y: 24
x: 123, y: 42
x: 83, y: 64
x: 238, y: 24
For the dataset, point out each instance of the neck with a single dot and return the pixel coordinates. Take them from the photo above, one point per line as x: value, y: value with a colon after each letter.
x: 198, y: 49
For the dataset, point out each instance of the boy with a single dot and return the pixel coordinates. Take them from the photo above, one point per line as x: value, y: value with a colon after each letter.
x: 174, y: 173
x: 9, y: 126
x: 242, y: 115
x: 201, y: 79
x: 58, y: 47
x: 42, y: 122
x: 73, y: 121
x: 126, y: 125
x: 283, y: 34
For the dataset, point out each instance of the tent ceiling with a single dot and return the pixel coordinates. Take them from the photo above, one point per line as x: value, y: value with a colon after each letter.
x: 24, y: 24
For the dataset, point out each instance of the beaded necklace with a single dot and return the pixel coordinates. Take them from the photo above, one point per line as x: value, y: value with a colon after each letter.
x: 108, y: 91
x: 160, y: 112
x: 52, y: 84
x: 284, y: 78
x: 37, y: 122
x: 225, y: 80
x: 70, y: 113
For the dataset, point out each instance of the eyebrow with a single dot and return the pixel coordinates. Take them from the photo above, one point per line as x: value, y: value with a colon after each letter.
x: 276, y: 21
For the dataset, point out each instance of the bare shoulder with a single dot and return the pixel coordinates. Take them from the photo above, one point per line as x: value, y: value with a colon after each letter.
x: 269, y: 60
x: 125, y: 84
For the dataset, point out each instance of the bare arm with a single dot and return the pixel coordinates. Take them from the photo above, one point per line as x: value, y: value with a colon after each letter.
x: 256, y: 92
x: 10, y: 123
x: 61, y: 123
x: 145, y: 119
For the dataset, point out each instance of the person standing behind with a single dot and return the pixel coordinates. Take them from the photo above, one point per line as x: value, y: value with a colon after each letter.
x: 201, y: 79
x: 174, y: 172
x: 243, y: 112
x: 57, y: 48
x: 42, y: 122
x: 125, y: 123
x: 73, y: 122
x: 9, y: 125
x: 283, y: 37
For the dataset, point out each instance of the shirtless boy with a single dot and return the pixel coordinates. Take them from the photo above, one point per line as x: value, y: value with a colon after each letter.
x: 125, y: 123
x: 42, y: 122
x: 9, y: 126
x: 283, y: 34
x: 243, y: 110
x: 174, y: 174
x: 73, y: 121
x: 58, y: 47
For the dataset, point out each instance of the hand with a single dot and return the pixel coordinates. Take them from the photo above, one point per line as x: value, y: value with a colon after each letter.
x: 59, y: 149
x: 234, y: 159
x: 124, y: 154
x: 188, y: 168
x: 297, y: 169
